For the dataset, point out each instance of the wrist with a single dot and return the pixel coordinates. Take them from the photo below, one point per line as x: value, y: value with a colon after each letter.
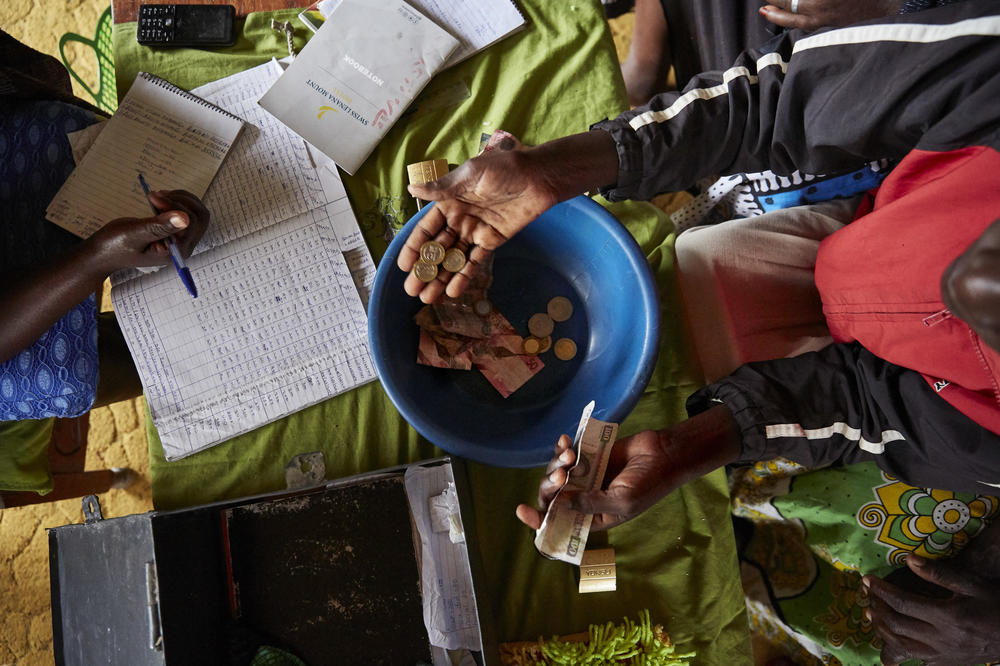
x: 94, y: 259
x: 575, y: 164
x: 704, y: 442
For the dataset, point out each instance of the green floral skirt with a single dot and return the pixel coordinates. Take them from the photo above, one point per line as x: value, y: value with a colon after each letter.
x: 816, y: 532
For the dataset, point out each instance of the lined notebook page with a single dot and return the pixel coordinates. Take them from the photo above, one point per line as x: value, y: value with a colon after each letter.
x: 268, y: 176
x: 283, y: 277
x: 475, y: 25
x: 175, y: 139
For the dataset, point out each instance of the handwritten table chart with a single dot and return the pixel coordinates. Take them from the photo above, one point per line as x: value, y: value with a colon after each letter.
x: 556, y: 77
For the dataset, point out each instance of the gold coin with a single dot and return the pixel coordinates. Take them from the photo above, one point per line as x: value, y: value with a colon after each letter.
x: 454, y: 260
x: 425, y: 271
x: 546, y: 344
x: 432, y: 252
x: 540, y: 325
x: 565, y: 349
x: 531, y: 345
x: 560, y: 309
x: 482, y: 307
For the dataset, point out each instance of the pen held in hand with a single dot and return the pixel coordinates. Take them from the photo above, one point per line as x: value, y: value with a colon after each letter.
x: 175, y: 254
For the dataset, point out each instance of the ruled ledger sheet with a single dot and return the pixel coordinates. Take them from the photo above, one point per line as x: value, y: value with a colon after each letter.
x: 283, y: 279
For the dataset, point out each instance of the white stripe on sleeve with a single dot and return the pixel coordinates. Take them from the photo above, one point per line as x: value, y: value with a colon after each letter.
x: 898, y: 32
x: 838, y: 428
x: 919, y: 33
x: 649, y: 117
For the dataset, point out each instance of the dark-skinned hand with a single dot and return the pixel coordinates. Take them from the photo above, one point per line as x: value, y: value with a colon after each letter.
x: 957, y: 623
x: 638, y: 475
x: 814, y: 14
x: 131, y: 242
x: 481, y: 205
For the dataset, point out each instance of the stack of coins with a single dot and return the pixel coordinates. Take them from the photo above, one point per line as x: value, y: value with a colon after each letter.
x: 433, y: 253
x: 419, y: 173
x: 542, y: 324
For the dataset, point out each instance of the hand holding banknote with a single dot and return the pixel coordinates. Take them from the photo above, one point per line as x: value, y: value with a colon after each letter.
x: 641, y: 470
x: 637, y: 476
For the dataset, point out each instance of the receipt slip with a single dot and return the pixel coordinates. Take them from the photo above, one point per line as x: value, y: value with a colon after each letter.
x: 563, y: 534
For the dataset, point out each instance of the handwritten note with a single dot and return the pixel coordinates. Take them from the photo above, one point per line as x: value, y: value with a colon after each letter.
x: 445, y: 579
x: 278, y: 326
x: 476, y: 24
x: 283, y: 277
x: 162, y: 131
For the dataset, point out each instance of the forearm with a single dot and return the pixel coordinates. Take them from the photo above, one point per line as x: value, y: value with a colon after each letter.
x: 701, y: 444
x: 35, y: 300
x: 843, y: 405
x: 575, y: 164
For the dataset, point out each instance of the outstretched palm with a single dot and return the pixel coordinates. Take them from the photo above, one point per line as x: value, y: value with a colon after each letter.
x: 479, y: 207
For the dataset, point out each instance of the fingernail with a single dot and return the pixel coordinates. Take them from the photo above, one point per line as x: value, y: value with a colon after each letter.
x: 916, y: 560
x: 866, y: 614
x: 565, y: 456
x: 177, y: 221
x: 866, y: 582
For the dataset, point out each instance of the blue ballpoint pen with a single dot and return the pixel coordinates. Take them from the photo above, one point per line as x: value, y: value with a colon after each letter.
x: 175, y: 254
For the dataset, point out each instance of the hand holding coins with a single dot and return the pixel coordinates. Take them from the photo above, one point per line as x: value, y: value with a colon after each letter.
x: 433, y: 253
x: 482, y: 203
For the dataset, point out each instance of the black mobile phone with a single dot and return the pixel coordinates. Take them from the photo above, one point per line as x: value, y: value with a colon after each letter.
x: 186, y: 25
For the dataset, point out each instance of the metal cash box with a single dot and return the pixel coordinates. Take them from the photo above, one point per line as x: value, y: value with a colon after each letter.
x: 329, y: 572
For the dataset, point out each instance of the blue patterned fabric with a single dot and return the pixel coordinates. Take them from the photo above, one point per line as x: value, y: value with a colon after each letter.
x: 57, y: 375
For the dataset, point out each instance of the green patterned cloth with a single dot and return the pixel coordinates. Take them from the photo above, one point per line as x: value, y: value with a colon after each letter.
x: 815, y: 533
x: 554, y: 78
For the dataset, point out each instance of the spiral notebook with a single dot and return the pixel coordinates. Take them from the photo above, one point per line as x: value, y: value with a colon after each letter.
x: 176, y: 139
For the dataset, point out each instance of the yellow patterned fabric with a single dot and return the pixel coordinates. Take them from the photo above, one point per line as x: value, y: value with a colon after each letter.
x: 106, y: 96
x: 816, y: 532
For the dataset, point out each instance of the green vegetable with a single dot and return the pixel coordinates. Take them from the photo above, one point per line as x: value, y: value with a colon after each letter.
x: 636, y: 644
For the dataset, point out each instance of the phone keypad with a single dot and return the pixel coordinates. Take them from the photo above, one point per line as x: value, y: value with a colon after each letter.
x: 156, y: 23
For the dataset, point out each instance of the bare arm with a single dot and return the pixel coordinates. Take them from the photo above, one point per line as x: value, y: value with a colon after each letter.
x: 35, y: 299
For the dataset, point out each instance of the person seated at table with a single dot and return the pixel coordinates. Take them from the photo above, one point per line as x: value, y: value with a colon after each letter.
x: 915, y: 393
x: 694, y: 36
x: 58, y: 357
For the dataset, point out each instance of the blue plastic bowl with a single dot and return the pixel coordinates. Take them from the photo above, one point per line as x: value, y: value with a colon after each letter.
x: 575, y: 249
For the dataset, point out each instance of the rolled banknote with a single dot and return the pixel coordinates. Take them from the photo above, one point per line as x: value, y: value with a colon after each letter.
x: 564, y: 531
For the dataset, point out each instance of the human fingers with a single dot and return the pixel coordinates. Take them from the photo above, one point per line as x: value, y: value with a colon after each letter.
x: 945, y: 573
x: 461, y: 280
x: 429, y: 226
x: 529, y: 516
x: 897, y: 647
x: 198, y: 216
x: 565, y: 456
x: 779, y: 13
x: 889, y: 622
x: 551, y: 484
x: 430, y: 292
x: 905, y: 602
x: 445, y: 187
x: 187, y: 201
x: 609, y: 507
x: 129, y: 242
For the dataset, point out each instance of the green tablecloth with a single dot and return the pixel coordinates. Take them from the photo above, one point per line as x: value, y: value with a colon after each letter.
x: 556, y: 77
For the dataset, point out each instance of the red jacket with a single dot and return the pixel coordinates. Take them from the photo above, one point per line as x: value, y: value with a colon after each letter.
x: 880, y: 277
